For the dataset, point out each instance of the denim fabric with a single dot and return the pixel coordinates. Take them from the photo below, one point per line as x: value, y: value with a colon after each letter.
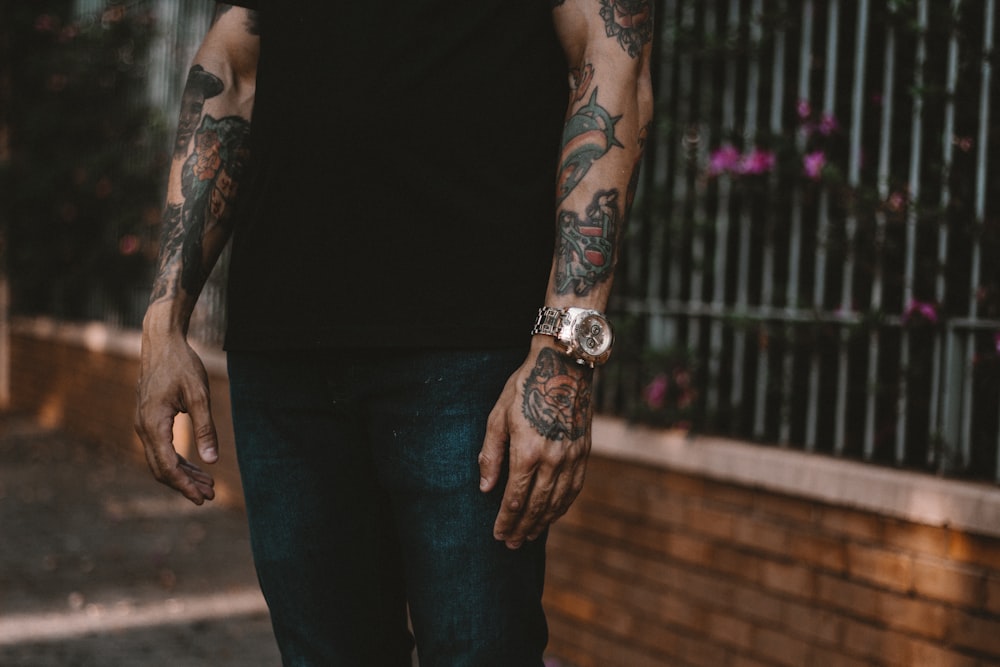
x: 362, y: 489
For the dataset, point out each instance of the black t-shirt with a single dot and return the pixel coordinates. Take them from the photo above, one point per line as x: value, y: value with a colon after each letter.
x: 400, y: 190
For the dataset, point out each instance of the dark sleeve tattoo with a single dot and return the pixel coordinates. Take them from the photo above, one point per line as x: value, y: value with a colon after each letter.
x: 557, y: 397
x: 631, y: 21
x: 585, y: 248
x: 209, y: 183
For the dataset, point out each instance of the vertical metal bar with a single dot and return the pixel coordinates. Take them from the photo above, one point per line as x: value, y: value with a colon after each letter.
x: 746, y: 216
x: 722, y: 230
x: 885, y: 154
x: 795, y: 233
x: 851, y: 224
x: 666, y: 333
x: 947, y: 145
x: 700, y: 214
x: 767, y: 278
x: 916, y: 146
x: 981, y: 186
x: 823, y: 227
x: 668, y: 148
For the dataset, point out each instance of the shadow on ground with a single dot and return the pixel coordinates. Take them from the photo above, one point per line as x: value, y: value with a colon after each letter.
x: 100, y: 566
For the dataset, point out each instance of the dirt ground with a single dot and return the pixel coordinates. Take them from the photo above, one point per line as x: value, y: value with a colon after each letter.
x: 100, y: 566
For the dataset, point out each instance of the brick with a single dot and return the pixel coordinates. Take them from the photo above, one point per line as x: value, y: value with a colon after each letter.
x: 828, y: 553
x: 736, y: 563
x: 851, y: 523
x: 978, y: 633
x: 828, y: 657
x: 729, y: 497
x: 891, y: 569
x: 759, y: 605
x: 816, y: 624
x: 958, y: 584
x: 916, y: 538
x: 710, y: 521
x: 780, y: 647
x: 729, y: 630
x: 773, y: 505
x: 571, y: 604
x: 992, y: 603
x: 919, y: 617
x: 975, y: 550
x: 790, y: 578
x: 849, y: 596
x: 690, y: 549
x: 762, y: 535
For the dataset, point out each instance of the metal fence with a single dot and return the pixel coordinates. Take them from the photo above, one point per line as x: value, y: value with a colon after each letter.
x: 812, y: 260
x: 814, y: 254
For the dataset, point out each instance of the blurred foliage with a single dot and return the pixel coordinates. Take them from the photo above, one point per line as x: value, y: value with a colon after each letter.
x: 82, y: 183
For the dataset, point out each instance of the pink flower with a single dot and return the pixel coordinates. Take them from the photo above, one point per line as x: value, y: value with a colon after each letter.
x: 757, y: 161
x: 655, y: 393
x: 813, y: 164
x: 128, y: 244
x: 45, y: 23
x: 923, y: 310
x: 996, y: 341
x: 803, y: 109
x: 828, y: 124
x: 723, y: 160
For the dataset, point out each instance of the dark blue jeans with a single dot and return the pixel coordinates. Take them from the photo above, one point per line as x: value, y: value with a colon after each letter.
x: 362, y: 489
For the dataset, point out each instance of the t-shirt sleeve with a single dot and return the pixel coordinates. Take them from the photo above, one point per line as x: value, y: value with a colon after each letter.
x: 249, y: 4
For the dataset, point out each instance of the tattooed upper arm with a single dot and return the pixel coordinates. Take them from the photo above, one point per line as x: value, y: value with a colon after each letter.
x: 630, y: 22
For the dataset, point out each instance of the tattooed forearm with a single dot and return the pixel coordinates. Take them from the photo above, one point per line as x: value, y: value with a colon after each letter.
x: 588, y: 136
x: 631, y: 21
x: 585, y: 249
x: 557, y: 397
x: 195, y: 230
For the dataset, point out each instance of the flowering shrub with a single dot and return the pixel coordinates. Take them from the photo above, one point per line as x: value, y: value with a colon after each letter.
x: 82, y: 185
x: 670, y: 390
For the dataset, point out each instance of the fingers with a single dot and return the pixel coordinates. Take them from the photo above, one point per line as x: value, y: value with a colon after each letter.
x: 542, y: 485
x: 165, y: 389
x: 492, y: 454
x: 169, y: 467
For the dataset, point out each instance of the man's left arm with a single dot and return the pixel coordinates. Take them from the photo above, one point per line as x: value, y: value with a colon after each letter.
x: 541, y: 423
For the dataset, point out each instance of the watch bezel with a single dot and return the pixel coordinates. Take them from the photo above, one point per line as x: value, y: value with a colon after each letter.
x: 569, y: 335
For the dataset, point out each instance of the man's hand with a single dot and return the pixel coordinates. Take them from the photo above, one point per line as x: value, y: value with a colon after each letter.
x: 173, y: 380
x: 543, y: 417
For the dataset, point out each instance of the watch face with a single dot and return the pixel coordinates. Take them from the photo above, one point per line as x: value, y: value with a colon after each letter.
x: 593, y: 336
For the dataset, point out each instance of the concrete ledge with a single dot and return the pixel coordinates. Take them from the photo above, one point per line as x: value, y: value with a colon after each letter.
x: 104, y: 339
x: 908, y: 495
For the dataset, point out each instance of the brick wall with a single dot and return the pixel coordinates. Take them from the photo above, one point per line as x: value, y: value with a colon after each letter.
x: 651, y: 567
x: 654, y: 567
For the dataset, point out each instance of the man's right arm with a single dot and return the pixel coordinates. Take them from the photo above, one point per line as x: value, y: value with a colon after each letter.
x: 209, y: 156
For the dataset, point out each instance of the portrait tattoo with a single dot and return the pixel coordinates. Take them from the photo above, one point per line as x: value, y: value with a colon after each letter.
x: 557, y: 397
x: 588, y: 136
x: 585, y: 248
x: 631, y: 21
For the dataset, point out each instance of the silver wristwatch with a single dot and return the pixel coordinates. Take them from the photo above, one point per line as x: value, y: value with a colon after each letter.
x: 584, y: 334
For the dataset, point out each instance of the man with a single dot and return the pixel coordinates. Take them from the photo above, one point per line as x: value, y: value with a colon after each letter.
x: 390, y: 174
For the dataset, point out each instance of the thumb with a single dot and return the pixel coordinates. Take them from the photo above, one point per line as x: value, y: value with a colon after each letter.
x: 494, y: 450
x: 205, y: 436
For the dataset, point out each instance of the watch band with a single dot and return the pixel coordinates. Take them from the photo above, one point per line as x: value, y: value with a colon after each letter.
x: 549, y: 321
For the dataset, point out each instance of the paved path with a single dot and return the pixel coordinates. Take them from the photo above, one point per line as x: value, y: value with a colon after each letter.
x: 100, y: 566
